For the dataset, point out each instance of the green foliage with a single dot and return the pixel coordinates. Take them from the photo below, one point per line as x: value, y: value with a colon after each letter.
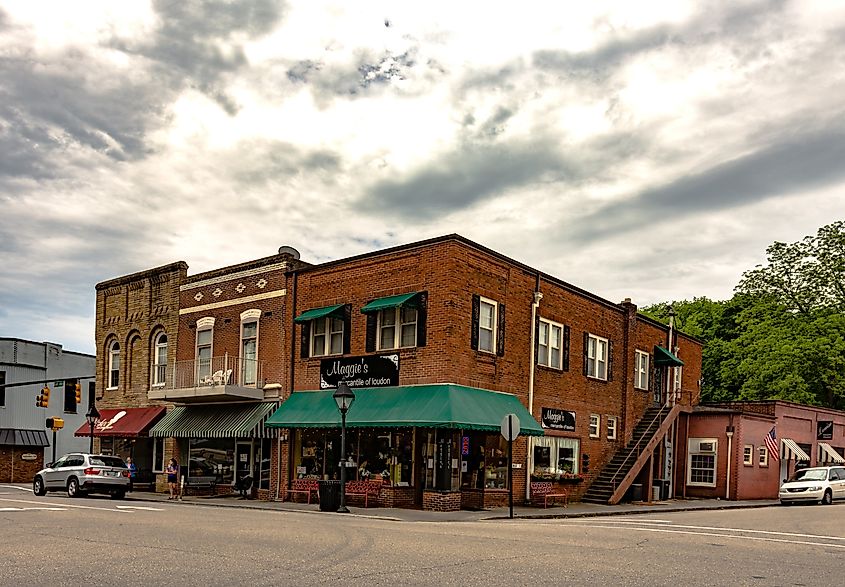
x: 782, y: 334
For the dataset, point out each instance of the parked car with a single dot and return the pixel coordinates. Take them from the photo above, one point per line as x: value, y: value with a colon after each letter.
x: 80, y: 473
x: 816, y: 484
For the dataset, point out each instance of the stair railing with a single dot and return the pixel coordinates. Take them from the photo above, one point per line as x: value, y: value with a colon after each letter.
x: 644, y: 439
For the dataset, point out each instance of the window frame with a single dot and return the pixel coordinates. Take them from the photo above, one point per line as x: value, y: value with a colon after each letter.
x: 762, y: 456
x: 494, y: 305
x: 677, y: 378
x: 397, y: 326
x: 612, y: 431
x: 642, y: 362
x: 327, y: 335
x: 555, y: 444
x: 594, y: 342
x: 246, y: 321
x: 692, y: 455
x: 3, y: 389
x: 550, y: 326
x: 158, y: 456
x: 210, y: 346
x: 748, y: 455
x: 159, y: 369
x: 113, y: 381
x: 594, y: 427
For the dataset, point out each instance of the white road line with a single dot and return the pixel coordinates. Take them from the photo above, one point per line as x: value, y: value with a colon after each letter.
x: 32, y: 509
x: 65, y: 505
x: 719, y: 528
x: 734, y: 537
x: 138, y: 507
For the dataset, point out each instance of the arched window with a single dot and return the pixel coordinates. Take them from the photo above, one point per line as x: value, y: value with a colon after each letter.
x: 114, y: 365
x: 160, y: 360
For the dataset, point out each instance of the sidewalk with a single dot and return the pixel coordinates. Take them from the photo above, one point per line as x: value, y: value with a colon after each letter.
x: 574, y: 510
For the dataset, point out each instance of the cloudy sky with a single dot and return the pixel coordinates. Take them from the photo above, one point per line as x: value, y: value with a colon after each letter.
x: 648, y: 149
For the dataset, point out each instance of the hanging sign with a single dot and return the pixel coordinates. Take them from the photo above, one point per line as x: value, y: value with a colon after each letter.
x: 558, y: 419
x: 366, y: 371
x: 824, y: 430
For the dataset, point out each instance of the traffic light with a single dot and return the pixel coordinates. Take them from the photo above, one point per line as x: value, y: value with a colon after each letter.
x: 55, y: 423
x: 78, y: 393
x: 43, y: 400
x: 585, y: 463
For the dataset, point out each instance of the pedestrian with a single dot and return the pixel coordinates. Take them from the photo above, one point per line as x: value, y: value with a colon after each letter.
x: 133, y: 471
x: 173, y: 478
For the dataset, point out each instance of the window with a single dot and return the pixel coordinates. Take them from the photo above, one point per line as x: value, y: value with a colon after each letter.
x: 204, y: 348
x: 702, y: 462
x: 554, y: 457
x: 114, y: 365
x: 397, y: 328
x: 611, y: 427
x: 596, y: 357
x: 2, y: 389
x: 595, y: 423
x: 748, y: 455
x: 249, y: 352
x: 641, y: 370
x: 550, y: 344
x: 487, y: 326
x: 676, y: 382
x: 326, y: 336
x: 158, y: 455
x: 763, y: 456
x: 160, y: 359
x: 70, y: 396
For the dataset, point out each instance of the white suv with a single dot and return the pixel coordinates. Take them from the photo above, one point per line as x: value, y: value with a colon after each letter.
x: 81, y: 473
x: 817, y: 484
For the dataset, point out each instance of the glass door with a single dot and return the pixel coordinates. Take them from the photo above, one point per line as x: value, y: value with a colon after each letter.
x: 244, y: 478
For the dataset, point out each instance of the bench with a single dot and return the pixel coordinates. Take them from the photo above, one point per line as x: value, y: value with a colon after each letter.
x: 366, y: 489
x: 306, y: 486
x: 200, y: 482
x: 549, y: 492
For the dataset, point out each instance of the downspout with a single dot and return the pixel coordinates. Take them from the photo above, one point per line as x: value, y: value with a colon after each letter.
x: 669, y: 445
x: 532, y: 367
x: 292, y: 336
x: 730, y: 459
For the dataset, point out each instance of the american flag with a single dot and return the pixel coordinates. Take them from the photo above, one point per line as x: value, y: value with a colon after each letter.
x: 771, y: 441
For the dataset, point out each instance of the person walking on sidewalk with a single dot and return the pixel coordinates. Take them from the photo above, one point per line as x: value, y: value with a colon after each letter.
x: 133, y: 471
x: 173, y: 478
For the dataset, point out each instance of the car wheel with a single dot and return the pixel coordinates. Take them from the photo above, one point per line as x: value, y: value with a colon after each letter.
x: 119, y: 494
x: 73, y: 488
x: 38, y: 487
x: 827, y: 499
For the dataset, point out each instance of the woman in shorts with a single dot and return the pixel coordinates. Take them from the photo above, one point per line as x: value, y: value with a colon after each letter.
x: 173, y: 478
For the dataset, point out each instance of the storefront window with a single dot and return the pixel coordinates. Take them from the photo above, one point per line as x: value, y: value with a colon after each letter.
x: 554, y: 458
x: 264, y: 467
x: 496, y: 462
x: 212, y: 457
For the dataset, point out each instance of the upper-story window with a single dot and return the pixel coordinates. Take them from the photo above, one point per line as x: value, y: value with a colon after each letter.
x: 325, y: 331
x: 249, y: 348
x: 204, y: 348
x: 596, y: 356
x: 397, y: 328
x: 160, y: 359
x: 641, y: 370
x: 552, y: 343
x: 677, y: 378
x: 396, y: 322
x: 114, y: 365
x: 327, y: 337
x: 2, y: 389
x: 488, y: 325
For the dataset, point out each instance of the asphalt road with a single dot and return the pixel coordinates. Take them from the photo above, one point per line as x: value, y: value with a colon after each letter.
x: 96, y: 541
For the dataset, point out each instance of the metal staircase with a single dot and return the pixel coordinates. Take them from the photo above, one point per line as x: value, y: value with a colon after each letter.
x: 616, y: 477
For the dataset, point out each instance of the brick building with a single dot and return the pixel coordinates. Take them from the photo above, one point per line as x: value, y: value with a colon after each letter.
x: 438, y: 339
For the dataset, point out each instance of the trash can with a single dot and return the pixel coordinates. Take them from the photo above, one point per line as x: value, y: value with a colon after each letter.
x: 329, y: 491
x: 664, y: 488
x: 635, y: 492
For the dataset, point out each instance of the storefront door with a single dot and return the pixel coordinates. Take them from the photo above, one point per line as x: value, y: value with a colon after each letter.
x: 243, y: 460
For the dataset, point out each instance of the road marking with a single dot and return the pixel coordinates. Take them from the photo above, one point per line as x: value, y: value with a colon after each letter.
x: 719, y: 528
x: 138, y: 507
x: 66, y: 505
x: 735, y: 537
x: 31, y: 509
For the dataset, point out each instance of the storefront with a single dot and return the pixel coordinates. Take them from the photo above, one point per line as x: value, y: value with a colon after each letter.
x: 125, y: 432
x: 21, y: 454
x: 435, y: 446
x: 222, y: 444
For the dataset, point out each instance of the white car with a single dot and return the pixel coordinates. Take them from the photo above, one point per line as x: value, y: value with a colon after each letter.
x: 82, y: 473
x: 817, y: 485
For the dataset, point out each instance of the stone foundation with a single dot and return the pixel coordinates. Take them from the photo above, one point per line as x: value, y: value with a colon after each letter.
x: 441, y: 501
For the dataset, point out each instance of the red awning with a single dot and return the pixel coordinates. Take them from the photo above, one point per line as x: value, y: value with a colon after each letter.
x: 123, y: 422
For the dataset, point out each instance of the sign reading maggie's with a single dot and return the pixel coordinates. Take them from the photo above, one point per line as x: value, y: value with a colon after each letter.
x: 366, y: 371
x: 558, y: 419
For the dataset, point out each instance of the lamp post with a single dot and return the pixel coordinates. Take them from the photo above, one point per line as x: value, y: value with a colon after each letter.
x: 344, y: 398
x: 93, y: 416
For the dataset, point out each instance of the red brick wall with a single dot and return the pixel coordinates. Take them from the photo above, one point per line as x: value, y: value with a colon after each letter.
x: 13, y: 469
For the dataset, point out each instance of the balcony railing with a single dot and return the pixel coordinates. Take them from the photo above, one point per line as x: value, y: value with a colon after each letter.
x: 213, y: 372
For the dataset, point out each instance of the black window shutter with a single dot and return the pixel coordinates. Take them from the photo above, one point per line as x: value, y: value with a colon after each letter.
x: 347, y: 328
x: 650, y: 372
x: 305, y: 340
x: 372, y: 325
x: 537, y: 340
x: 610, y: 360
x: 476, y: 313
x: 566, y: 348
x: 422, y: 302
x: 500, y: 335
x: 586, y: 346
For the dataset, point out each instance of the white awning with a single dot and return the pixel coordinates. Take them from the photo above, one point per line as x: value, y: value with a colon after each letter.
x: 828, y: 454
x: 790, y: 450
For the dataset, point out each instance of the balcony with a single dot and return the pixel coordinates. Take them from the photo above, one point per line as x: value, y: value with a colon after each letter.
x: 217, y: 379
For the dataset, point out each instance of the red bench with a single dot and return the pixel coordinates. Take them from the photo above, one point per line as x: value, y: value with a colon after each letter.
x: 306, y: 486
x: 549, y: 492
x: 366, y: 489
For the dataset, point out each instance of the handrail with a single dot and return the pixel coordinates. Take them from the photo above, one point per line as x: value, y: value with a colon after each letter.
x: 658, y: 419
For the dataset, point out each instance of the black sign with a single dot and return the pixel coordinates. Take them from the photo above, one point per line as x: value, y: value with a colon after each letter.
x: 558, y: 419
x: 367, y: 371
x: 824, y: 430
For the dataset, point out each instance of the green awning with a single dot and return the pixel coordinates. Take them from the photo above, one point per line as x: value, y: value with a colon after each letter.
x: 442, y: 405
x: 389, y: 302
x: 215, y: 421
x: 664, y: 358
x: 317, y: 313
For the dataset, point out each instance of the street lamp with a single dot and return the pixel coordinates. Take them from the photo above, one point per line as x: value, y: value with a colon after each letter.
x: 344, y: 398
x: 93, y: 416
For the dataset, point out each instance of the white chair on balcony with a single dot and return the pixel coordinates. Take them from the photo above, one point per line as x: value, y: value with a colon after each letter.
x: 226, y: 376
x: 217, y: 378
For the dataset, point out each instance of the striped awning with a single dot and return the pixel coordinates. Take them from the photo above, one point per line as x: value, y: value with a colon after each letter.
x: 790, y: 450
x: 217, y: 421
x: 15, y: 437
x: 828, y: 454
